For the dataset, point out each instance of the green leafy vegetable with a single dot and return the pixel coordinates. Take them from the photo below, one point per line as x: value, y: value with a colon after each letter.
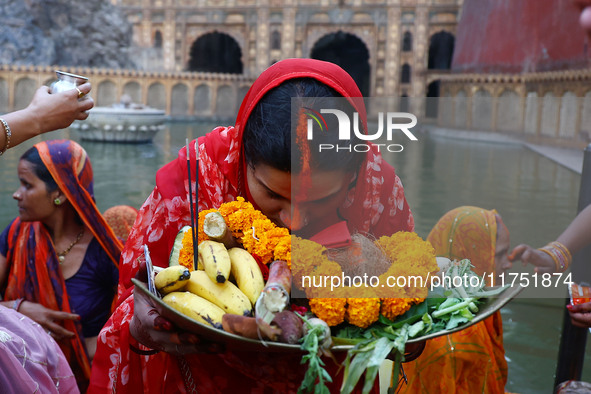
x: 316, y: 375
x: 446, y: 308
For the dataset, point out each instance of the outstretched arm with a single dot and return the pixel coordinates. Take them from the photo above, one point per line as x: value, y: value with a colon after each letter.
x: 46, y: 112
x: 576, y: 236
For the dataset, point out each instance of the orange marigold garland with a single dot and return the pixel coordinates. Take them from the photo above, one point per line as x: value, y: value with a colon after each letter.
x: 253, y: 230
x: 331, y: 310
x: 393, y: 307
x: 409, y: 255
x: 186, y: 252
x: 362, y: 312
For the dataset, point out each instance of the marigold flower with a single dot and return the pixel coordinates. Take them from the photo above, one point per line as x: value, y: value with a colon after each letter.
x: 394, y: 307
x: 318, y: 282
x: 331, y: 310
x: 186, y: 252
x: 362, y: 312
x: 412, y: 257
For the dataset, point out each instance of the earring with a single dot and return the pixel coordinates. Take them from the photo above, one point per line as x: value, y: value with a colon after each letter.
x: 57, y: 201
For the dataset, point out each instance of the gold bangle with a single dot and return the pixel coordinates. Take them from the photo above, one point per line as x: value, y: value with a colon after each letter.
x: 562, y: 254
x: 553, y: 256
x: 564, y: 250
x: 8, y: 135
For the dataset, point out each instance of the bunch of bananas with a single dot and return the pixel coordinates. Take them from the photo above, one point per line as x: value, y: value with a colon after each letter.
x: 230, y: 282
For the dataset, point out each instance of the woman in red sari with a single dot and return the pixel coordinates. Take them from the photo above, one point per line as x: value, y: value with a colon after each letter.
x: 471, y: 360
x: 252, y: 159
x: 58, y: 259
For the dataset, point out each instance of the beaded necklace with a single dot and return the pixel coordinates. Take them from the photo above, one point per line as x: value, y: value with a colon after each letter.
x: 62, y: 255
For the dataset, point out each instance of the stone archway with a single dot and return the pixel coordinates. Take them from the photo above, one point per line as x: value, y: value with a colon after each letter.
x: 349, y: 52
x: 441, y: 49
x: 432, y: 107
x: 215, y: 52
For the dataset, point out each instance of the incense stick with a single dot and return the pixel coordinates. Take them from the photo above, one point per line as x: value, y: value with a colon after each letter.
x: 193, y: 219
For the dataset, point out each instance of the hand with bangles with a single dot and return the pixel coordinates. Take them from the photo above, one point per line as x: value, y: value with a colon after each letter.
x: 46, y: 112
x: 544, y: 262
x: 48, y: 319
x: 557, y: 255
x: 151, y: 329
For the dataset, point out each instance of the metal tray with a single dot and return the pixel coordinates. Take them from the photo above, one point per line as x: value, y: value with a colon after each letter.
x: 238, y: 343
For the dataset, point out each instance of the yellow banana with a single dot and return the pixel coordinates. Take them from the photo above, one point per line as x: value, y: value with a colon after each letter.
x: 172, y: 278
x: 225, y: 295
x: 247, y: 273
x: 195, y: 307
x: 215, y: 259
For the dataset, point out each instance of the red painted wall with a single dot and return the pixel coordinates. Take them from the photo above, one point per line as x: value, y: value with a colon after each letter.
x: 516, y: 36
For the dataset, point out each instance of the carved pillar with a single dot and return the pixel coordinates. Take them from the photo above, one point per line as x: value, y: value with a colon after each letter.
x: 288, y: 34
x: 391, y: 70
x: 145, y: 28
x: 495, y: 106
x: 262, y: 41
x: 168, y: 41
x: 420, y: 54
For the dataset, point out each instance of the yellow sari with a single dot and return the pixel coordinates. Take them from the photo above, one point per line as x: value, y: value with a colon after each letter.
x: 471, y: 360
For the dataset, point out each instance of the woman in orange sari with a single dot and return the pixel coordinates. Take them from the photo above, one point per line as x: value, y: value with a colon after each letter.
x: 137, y: 351
x: 471, y: 360
x: 58, y: 259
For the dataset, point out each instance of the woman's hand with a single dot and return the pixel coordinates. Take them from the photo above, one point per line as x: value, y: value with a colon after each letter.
x: 542, y: 261
x: 580, y: 314
x: 48, y: 319
x: 149, y: 328
x: 59, y: 110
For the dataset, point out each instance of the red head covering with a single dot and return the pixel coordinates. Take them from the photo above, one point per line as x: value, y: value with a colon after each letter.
x: 328, y: 73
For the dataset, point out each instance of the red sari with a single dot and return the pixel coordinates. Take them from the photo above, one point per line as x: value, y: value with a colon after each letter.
x: 376, y: 205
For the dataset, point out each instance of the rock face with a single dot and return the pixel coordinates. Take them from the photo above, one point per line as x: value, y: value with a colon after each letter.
x: 77, y: 33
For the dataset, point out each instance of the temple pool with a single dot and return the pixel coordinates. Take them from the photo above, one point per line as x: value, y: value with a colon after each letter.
x: 536, y: 197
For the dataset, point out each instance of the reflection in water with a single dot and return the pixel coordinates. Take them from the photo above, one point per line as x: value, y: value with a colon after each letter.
x: 536, y: 197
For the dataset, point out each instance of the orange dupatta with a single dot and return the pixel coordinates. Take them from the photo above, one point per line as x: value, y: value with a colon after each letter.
x: 34, y: 268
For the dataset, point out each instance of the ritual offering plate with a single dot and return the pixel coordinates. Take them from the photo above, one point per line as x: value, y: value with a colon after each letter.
x: 225, y: 339
x: 235, y: 342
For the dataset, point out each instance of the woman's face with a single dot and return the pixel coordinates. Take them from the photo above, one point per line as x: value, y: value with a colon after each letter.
x: 35, y: 203
x: 502, y: 262
x: 304, y: 213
